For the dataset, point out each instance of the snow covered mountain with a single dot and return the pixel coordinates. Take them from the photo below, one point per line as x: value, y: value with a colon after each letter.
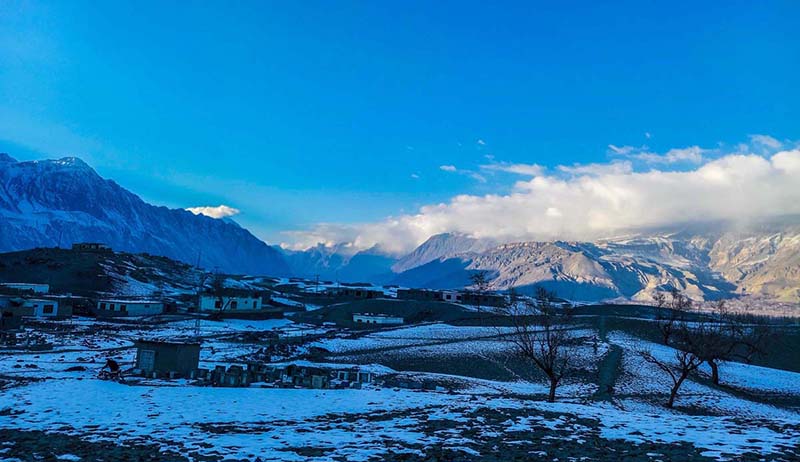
x: 707, y: 265
x: 442, y: 247
x: 58, y: 202
x: 338, y: 263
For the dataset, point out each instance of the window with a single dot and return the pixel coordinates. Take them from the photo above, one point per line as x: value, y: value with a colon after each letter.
x: 234, y: 304
x: 102, y: 306
x: 48, y: 309
x: 218, y: 304
x: 111, y: 306
x: 123, y: 308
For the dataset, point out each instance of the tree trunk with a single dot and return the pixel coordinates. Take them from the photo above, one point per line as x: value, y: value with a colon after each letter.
x: 714, y: 372
x: 552, y: 396
x: 674, y: 392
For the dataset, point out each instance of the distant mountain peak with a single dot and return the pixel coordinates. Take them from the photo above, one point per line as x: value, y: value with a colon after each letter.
x: 56, y: 202
x: 6, y: 158
x: 70, y: 163
x: 442, y: 246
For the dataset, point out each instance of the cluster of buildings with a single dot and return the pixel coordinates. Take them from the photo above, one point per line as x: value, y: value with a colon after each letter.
x: 377, y: 319
x: 171, y: 359
x: 464, y: 297
x: 454, y: 296
x: 33, y: 300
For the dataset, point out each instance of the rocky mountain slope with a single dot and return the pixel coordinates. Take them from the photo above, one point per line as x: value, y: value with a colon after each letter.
x: 337, y: 263
x: 707, y: 265
x: 58, y: 202
x: 442, y: 247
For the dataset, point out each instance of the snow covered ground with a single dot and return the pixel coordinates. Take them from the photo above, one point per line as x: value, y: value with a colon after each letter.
x: 462, y: 419
x: 240, y: 423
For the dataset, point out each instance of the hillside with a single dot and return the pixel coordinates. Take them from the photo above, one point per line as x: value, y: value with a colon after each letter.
x: 89, y: 273
x: 59, y: 202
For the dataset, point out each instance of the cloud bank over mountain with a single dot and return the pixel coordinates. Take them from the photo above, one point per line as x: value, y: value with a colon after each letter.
x: 220, y: 211
x: 760, y: 179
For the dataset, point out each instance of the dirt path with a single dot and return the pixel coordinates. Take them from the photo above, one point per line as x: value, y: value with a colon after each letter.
x: 608, y: 371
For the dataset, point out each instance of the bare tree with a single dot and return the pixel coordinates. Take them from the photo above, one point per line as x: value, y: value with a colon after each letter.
x: 480, y: 281
x: 540, y: 337
x: 698, y: 338
x: 218, y: 291
x: 680, y: 334
x: 685, y: 363
x: 727, y: 337
x: 671, y: 312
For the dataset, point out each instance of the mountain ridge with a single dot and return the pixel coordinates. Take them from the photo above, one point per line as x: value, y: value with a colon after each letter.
x: 63, y: 201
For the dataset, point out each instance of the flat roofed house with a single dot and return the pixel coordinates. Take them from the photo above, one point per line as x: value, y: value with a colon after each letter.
x: 42, y: 308
x: 121, y: 307
x: 91, y: 247
x: 354, y: 293
x: 26, y: 287
x: 167, y: 358
x: 483, y: 299
x: 231, y: 301
x: 35, y: 307
x: 422, y: 295
x: 370, y: 318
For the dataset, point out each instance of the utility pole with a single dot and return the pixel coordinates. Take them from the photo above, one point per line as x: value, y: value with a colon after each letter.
x: 316, y: 285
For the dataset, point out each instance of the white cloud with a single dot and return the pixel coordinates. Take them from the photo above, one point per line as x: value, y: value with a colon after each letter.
x: 621, y: 150
x: 481, y: 142
x: 519, y: 169
x: 692, y: 154
x: 595, y: 201
x: 415, y: 176
x: 766, y: 141
x: 472, y: 174
x: 220, y: 211
x: 613, y: 168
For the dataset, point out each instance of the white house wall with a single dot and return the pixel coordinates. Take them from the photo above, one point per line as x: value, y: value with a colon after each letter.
x: 208, y: 303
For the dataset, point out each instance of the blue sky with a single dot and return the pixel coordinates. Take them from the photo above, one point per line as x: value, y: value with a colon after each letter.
x: 298, y: 113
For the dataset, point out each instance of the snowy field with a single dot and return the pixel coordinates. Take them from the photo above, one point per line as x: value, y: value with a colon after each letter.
x: 462, y: 418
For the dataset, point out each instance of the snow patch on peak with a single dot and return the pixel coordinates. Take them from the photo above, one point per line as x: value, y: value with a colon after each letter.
x: 71, y: 162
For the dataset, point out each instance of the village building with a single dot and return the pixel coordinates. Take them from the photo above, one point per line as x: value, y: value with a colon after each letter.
x: 169, y: 359
x: 26, y: 287
x: 35, y: 307
x: 120, y: 307
x: 354, y: 376
x: 231, y: 300
x: 354, y: 293
x: 9, y: 320
x: 381, y: 319
x: 483, y: 299
x: 40, y: 308
x: 91, y: 247
x: 453, y: 296
x: 422, y: 295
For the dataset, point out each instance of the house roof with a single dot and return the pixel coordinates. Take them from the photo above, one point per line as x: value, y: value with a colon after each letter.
x: 129, y: 302
x: 176, y: 341
x: 233, y: 292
